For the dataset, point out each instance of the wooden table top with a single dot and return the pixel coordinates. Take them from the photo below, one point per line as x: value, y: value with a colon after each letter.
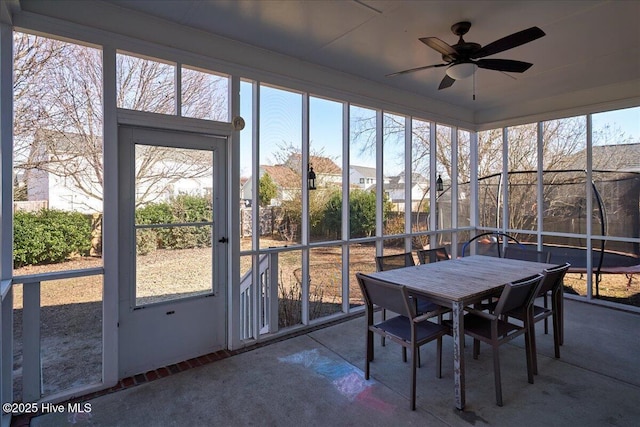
x: 467, y: 279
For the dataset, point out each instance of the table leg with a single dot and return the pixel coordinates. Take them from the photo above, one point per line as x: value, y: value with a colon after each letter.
x: 458, y: 353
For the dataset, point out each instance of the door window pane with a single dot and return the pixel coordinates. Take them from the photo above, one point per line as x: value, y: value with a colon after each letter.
x: 173, y: 222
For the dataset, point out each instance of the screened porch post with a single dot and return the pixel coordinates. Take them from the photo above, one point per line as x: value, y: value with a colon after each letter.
x: 233, y: 270
x: 6, y: 213
x: 589, y: 199
x: 110, y: 219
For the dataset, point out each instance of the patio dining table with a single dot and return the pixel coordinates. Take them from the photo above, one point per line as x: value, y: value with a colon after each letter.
x: 458, y: 283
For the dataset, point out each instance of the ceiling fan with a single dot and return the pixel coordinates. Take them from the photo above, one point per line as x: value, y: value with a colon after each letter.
x: 463, y: 58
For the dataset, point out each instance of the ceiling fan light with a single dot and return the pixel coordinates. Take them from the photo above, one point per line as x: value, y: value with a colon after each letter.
x: 461, y: 71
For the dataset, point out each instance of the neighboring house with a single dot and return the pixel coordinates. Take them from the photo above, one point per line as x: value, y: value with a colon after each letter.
x: 47, y: 175
x: 288, y: 177
x: 395, y: 190
x: 613, y: 157
x: 362, y: 176
x: 57, y: 172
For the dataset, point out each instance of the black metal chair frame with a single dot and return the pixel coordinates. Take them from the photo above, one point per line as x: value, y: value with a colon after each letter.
x: 497, y: 235
x: 526, y: 254
x: 422, y: 306
x: 495, y: 330
x: 408, y: 329
x: 551, y: 283
x: 426, y: 256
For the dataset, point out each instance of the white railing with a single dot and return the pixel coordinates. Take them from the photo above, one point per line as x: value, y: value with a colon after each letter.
x: 259, y: 299
x: 31, y: 351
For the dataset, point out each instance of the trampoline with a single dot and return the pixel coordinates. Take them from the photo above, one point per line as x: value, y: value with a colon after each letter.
x: 615, y: 212
x: 603, y: 262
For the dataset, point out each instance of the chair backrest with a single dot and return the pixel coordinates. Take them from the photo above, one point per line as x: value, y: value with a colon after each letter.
x: 489, y: 243
x: 552, y: 278
x: 385, y: 295
x: 391, y: 262
x: 525, y: 254
x: 518, y: 294
x: 426, y: 256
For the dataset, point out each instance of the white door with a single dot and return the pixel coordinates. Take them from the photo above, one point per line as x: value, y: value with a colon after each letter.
x: 173, y: 252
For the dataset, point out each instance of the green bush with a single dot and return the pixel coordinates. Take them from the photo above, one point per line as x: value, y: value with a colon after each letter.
x: 49, y: 236
x: 179, y: 210
x: 146, y: 241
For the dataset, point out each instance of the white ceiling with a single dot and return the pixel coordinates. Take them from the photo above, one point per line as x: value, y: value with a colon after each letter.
x: 590, y: 54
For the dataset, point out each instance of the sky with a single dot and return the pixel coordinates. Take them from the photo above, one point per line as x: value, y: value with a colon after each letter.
x: 281, y: 126
x: 627, y: 120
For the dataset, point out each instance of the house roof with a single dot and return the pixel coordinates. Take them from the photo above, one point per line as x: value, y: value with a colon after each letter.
x: 365, y: 171
x: 621, y: 157
x: 320, y: 164
x: 283, y: 176
x: 618, y: 157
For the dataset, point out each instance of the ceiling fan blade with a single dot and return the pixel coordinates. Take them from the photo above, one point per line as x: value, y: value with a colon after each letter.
x: 508, y: 42
x: 411, y: 70
x: 508, y: 65
x: 446, y: 82
x: 439, y: 45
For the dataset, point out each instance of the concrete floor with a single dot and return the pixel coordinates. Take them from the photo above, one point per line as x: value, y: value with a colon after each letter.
x: 316, y: 379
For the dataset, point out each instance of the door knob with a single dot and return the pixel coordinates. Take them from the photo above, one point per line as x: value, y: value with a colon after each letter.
x: 223, y: 240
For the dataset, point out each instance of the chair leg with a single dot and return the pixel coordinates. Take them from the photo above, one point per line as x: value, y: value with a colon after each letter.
x: 560, y: 314
x: 384, y: 317
x: 369, y: 357
x: 413, y: 377
x: 546, y: 305
x: 496, y: 375
x: 404, y: 354
x: 533, y: 349
x: 529, y: 339
x: 476, y: 348
x: 439, y: 358
x: 556, y: 334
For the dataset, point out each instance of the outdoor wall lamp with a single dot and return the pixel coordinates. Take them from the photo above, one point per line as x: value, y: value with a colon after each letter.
x: 439, y: 184
x: 311, y: 178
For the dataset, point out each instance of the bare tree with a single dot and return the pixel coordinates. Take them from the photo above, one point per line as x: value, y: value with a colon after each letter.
x: 58, y: 120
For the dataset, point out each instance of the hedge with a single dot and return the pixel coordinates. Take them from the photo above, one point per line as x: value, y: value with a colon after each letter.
x: 49, y: 236
x: 180, y: 209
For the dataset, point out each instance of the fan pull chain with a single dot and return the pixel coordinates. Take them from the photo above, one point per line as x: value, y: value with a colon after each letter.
x: 474, y: 86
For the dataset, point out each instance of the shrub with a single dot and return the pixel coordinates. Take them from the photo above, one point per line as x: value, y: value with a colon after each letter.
x: 49, y: 236
x: 180, y: 209
x: 146, y: 241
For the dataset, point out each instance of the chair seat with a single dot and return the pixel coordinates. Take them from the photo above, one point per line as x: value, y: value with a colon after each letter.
x: 476, y: 325
x: 400, y: 328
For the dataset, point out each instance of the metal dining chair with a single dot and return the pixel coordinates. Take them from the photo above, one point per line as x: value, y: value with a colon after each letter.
x: 495, y: 330
x: 409, y: 329
x: 426, y: 256
x: 390, y: 262
x: 551, y: 283
x: 526, y: 254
